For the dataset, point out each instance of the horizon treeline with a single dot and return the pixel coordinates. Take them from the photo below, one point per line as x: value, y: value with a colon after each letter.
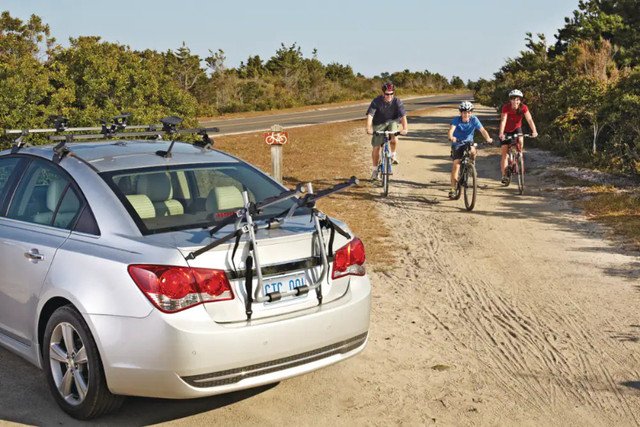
x: 94, y: 79
x: 583, y: 91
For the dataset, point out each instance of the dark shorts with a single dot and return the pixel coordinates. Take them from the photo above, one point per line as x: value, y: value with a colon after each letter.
x: 457, y: 152
x: 518, y: 131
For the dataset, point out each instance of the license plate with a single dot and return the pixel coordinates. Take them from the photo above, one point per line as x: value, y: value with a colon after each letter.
x: 284, y: 283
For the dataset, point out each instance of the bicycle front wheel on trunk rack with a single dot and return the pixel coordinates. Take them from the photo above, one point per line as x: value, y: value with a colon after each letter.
x: 520, y: 171
x: 385, y: 174
x: 470, y: 186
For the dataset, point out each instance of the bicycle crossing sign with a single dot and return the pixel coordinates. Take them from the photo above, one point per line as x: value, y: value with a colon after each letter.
x: 276, y: 138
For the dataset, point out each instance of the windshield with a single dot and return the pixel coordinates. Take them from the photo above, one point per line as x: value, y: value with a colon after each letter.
x: 190, y: 196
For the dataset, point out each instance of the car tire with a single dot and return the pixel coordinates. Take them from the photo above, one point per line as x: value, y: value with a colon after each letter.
x: 73, y: 367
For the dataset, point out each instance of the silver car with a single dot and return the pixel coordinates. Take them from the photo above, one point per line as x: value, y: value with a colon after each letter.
x: 130, y: 272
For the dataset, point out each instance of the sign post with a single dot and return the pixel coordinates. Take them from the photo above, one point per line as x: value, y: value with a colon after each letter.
x: 276, y: 138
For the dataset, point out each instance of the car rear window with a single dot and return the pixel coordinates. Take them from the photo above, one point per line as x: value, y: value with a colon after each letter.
x: 189, y: 196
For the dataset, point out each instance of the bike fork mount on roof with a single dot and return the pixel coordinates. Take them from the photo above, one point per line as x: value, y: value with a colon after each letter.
x: 115, y: 127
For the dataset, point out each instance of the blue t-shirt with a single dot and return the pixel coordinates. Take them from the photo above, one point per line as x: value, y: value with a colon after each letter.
x: 464, y: 131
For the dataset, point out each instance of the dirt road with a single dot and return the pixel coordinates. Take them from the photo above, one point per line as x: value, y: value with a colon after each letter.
x: 518, y: 313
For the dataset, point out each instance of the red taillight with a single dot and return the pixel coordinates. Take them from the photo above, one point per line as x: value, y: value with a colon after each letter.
x: 349, y: 259
x: 173, y: 289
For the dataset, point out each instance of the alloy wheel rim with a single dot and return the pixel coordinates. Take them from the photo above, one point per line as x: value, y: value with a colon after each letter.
x: 69, y: 363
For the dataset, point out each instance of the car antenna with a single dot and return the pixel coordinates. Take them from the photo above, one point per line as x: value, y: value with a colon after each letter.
x: 169, y: 126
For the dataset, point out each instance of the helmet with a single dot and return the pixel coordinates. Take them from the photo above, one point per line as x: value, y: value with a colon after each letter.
x: 517, y: 93
x: 465, y: 106
x: 388, y: 86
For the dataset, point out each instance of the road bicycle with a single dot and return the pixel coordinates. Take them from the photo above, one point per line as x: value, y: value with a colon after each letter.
x: 515, y: 159
x: 384, y: 165
x: 467, y: 178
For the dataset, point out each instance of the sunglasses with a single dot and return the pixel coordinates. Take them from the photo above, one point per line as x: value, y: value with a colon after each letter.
x: 388, y: 93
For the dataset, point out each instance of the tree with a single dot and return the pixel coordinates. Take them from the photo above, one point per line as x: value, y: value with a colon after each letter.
x: 616, y: 21
x: 286, y: 64
x: 185, y: 67
x: 24, y: 83
x: 215, y: 61
x: 457, y: 82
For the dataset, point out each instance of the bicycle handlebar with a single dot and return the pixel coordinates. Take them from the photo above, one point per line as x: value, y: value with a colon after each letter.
x: 471, y: 143
x: 528, y: 135
x: 386, y: 133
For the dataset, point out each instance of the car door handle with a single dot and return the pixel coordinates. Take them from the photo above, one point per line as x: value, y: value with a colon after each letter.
x: 34, y: 255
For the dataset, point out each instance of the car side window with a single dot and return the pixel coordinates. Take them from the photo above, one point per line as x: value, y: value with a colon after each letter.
x: 6, y: 167
x: 45, y: 196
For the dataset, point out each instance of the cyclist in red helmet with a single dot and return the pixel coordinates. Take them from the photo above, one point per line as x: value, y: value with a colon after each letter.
x: 384, y: 113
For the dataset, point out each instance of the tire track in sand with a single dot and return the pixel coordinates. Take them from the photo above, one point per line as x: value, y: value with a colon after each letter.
x: 539, y: 352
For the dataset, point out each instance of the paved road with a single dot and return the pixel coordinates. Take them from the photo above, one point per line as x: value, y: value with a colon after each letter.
x: 324, y: 115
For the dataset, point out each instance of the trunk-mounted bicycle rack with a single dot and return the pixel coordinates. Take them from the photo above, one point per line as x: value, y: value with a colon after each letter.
x: 252, y: 260
x: 115, y: 127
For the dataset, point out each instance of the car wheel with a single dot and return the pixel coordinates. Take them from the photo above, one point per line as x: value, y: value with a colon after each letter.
x: 73, y: 367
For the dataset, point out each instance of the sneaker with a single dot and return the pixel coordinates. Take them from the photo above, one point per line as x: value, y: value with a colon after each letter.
x: 394, y: 160
x: 452, y: 193
x: 505, y: 180
x: 374, y: 175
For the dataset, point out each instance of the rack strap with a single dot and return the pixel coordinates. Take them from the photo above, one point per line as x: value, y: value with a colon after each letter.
x: 248, y: 285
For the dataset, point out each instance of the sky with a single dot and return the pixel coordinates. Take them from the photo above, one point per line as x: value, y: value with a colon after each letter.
x: 467, y: 38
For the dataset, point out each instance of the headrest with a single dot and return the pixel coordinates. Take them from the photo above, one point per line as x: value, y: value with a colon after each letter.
x: 224, y: 198
x: 156, y: 186
x: 54, y: 191
x: 142, y: 205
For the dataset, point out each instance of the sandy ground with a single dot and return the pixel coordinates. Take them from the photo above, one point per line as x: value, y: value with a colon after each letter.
x: 518, y: 313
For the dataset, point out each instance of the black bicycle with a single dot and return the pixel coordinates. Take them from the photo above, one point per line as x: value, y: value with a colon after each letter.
x: 467, y: 178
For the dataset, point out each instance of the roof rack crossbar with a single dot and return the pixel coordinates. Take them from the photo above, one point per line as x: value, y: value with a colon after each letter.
x: 129, y: 134
x: 116, y: 127
x: 78, y: 129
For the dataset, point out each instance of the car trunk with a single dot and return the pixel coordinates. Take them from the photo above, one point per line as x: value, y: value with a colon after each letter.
x: 289, y: 257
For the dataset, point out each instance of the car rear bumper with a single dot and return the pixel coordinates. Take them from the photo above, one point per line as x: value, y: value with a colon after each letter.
x: 187, y: 355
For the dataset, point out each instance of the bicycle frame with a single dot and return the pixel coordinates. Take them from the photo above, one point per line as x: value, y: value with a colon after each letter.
x: 467, y: 171
x: 515, y: 160
x: 384, y: 165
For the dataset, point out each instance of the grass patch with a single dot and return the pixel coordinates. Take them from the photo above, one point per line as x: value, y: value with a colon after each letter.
x: 618, y: 210
x: 326, y: 155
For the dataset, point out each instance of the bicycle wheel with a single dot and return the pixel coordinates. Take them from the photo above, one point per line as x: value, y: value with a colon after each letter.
x: 470, y: 187
x: 385, y: 174
x: 509, y: 170
x: 520, y: 171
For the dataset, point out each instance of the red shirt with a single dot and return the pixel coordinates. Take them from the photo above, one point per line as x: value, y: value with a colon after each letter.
x: 514, y: 120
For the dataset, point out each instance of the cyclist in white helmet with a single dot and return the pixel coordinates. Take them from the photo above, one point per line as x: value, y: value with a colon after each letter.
x: 511, y: 124
x: 462, y: 130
